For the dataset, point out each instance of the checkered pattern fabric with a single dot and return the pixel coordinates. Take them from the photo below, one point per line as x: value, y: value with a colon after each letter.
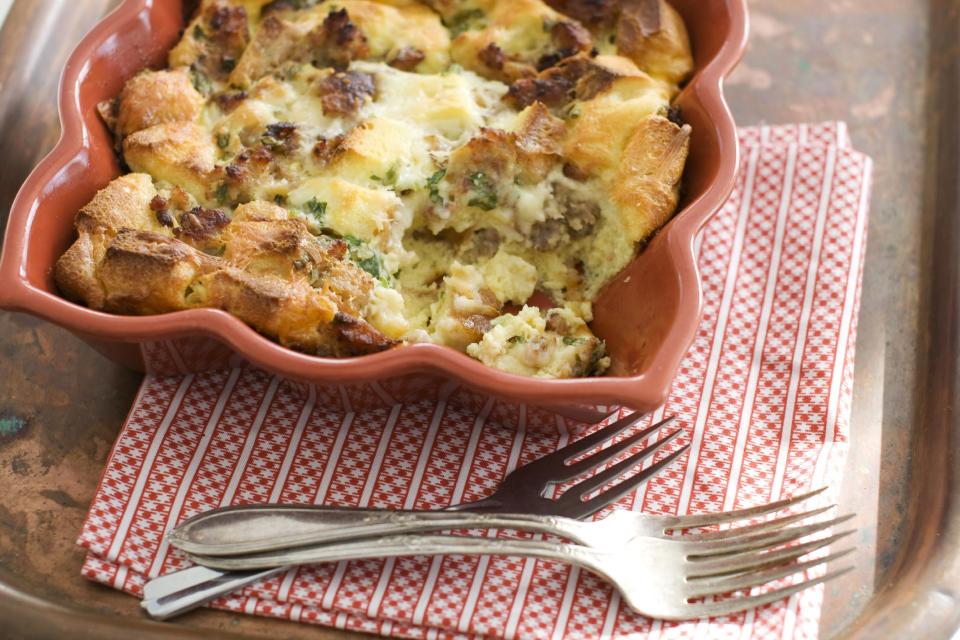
x: 763, y: 396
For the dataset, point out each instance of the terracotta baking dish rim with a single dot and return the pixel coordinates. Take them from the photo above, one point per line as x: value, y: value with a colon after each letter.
x: 648, y: 389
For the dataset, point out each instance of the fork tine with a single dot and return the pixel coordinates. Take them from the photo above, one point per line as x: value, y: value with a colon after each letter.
x: 754, y: 560
x: 724, y: 607
x: 588, y: 485
x: 558, y: 458
x: 596, y: 438
x: 760, y: 541
x: 573, y: 504
x: 713, y: 586
x: 709, y: 519
x: 767, y: 525
x: 610, y: 453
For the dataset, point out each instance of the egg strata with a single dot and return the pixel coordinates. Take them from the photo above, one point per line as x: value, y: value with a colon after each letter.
x: 351, y: 176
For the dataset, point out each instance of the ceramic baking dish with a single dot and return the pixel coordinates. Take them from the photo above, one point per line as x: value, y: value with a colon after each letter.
x: 647, y: 315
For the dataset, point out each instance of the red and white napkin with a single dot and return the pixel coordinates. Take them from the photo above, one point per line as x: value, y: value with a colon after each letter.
x: 763, y: 395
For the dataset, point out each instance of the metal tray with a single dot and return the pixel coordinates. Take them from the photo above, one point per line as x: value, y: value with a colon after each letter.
x: 890, y: 68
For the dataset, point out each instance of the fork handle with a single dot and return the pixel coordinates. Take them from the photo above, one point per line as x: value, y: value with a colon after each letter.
x: 259, y: 528
x: 414, y: 545
x: 215, y: 576
x: 181, y: 591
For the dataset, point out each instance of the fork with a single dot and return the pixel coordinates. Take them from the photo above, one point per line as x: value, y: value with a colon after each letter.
x: 661, y: 578
x: 241, y: 530
x: 521, y: 490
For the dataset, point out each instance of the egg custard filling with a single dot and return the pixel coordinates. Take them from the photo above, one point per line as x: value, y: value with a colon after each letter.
x: 354, y: 175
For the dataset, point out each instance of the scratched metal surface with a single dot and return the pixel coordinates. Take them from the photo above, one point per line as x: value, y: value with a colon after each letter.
x: 61, y: 404
x: 863, y: 61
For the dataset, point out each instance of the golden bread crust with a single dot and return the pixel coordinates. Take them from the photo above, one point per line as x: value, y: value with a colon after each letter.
x: 124, y: 203
x: 597, y: 137
x: 653, y: 35
x: 215, y: 40
x: 518, y: 39
x: 649, y: 32
x: 647, y: 181
x: 405, y: 35
x: 181, y: 153
x: 273, y: 274
x: 144, y: 273
x: 157, y: 97
x: 75, y: 271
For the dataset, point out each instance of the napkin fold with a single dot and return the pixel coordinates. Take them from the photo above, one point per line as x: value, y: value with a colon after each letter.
x: 763, y: 396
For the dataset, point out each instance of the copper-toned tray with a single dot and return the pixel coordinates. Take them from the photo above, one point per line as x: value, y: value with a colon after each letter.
x: 891, y: 68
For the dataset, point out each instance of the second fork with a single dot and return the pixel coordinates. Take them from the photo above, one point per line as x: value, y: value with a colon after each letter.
x: 521, y: 490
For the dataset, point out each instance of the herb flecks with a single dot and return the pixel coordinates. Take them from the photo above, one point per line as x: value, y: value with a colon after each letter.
x: 484, y: 191
x: 317, y: 209
x: 433, y: 186
x: 221, y: 193
x: 201, y: 82
x: 466, y: 21
x: 388, y: 179
x: 366, y: 257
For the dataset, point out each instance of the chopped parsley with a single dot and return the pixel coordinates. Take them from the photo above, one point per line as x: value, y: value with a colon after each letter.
x: 598, y: 354
x: 366, y: 258
x: 517, y: 340
x: 371, y: 265
x: 485, y: 193
x: 570, y: 341
x: 280, y: 199
x: 223, y: 140
x: 221, y: 193
x: 465, y: 21
x: 317, y: 209
x: 198, y: 33
x: 433, y: 185
x: 200, y: 81
x: 389, y: 179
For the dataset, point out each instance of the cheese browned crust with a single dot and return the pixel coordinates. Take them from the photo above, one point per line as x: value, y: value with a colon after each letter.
x: 352, y: 175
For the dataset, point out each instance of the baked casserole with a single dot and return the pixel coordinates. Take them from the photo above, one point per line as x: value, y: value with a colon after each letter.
x: 350, y: 176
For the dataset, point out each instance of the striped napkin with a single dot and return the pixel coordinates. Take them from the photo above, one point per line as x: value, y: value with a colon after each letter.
x: 763, y: 395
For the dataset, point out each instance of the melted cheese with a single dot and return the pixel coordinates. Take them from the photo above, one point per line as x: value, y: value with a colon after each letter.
x: 524, y: 344
x: 351, y: 209
x: 446, y: 108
